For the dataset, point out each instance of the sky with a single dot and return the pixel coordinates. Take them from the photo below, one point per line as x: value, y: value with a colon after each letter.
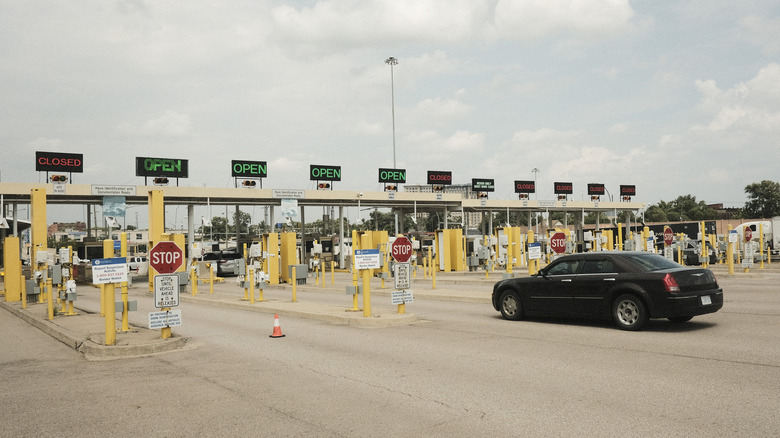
x: 674, y: 97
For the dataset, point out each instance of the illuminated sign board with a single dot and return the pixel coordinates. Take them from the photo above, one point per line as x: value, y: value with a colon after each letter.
x: 170, y: 167
x: 394, y: 176
x: 248, y: 169
x: 564, y: 188
x: 59, y: 162
x: 324, y: 173
x: 439, y: 177
x: 627, y: 190
x: 525, y: 187
x: 596, y: 189
x: 483, y: 185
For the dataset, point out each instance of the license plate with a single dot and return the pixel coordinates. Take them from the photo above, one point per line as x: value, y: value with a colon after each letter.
x: 706, y: 300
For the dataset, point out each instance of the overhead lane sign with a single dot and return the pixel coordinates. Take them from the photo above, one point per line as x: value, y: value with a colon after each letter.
x: 249, y: 169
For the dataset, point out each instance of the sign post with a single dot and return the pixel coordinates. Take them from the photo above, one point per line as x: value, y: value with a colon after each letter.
x: 165, y: 258
x: 401, y: 250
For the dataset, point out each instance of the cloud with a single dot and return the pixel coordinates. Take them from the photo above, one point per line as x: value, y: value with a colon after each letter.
x: 754, y: 104
x: 170, y: 124
x: 532, y: 19
x: 762, y: 31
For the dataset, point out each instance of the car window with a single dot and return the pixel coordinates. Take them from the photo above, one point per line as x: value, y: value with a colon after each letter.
x: 565, y: 267
x: 651, y: 262
x: 599, y: 266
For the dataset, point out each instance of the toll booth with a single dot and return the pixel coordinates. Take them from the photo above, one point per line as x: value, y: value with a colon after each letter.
x: 450, y: 250
x: 287, y: 254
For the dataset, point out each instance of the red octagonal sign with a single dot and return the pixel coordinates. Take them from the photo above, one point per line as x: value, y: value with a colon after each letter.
x: 401, y: 249
x: 558, y: 243
x: 166, y: 257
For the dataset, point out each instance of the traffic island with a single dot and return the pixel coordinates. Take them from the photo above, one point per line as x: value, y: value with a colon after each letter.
x: 83, y: 332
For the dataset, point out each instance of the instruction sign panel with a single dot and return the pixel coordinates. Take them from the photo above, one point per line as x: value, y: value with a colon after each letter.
x: 367, y: 258
x: 402, y: 296
x: 160, y: 320
x: 402, y: 275
x: 166, y: 290
x: 106, y: 271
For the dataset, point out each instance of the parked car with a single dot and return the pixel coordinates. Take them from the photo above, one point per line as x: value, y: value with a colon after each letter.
x: 629, y: 287
x: 226, y: 261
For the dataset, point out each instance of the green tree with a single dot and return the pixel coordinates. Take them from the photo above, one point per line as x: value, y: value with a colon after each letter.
x: 763, y: 199
x: 685, y: 208
x: 655, y: 213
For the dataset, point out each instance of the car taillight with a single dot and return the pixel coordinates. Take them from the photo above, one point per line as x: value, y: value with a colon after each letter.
x: 671, y: 284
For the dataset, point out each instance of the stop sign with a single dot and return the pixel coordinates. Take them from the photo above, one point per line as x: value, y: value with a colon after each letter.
x: 166, y: 257
x: 558, y: 243
x: 748, y: 234
x: 668, y: 236
x: 401, y: 249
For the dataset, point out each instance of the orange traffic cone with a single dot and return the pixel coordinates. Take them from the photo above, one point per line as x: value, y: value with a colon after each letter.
x: 277, y: 328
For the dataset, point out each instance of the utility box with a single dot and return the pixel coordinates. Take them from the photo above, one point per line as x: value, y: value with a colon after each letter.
x: 301, y: 273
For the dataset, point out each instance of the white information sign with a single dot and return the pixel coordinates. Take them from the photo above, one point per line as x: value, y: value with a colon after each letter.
x: 106, y: 271
x: 534, y: 251
x: 166, y: 290
x: 113, y: 190
x: 402, y: 296
x: 367, y: 259
x: 402, y: 274
x: 58, y: 189
x: 169, y: 318
x: 733, y: 236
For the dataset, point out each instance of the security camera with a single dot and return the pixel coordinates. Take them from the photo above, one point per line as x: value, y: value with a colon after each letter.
x: 360, y: 194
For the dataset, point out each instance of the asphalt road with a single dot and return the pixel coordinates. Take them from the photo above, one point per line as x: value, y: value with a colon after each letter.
x: 464, y: 371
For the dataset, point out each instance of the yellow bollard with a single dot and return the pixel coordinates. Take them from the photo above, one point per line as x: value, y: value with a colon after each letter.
x: 294, y: 280
x: 211, y: 278
x: 332, y: 273
x: 194, y: 275
x: 531, y: 263
x: 108, y: 298
x: 23, y: 285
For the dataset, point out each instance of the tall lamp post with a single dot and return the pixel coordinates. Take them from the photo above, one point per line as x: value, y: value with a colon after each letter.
x: 392, y: 61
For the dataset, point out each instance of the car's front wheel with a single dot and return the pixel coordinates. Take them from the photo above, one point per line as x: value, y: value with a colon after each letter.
x: 510, y: 306
x: 629, y: 312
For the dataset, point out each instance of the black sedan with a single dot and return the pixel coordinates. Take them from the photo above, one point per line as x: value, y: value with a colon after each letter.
x: 629, y: 287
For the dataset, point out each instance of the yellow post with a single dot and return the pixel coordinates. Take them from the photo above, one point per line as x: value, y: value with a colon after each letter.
x: 730, y: 252
x: 156, y: 203
x: 761, y: 244
x: 23, y: 286
x: 38, y: 232
x: 645, y: 236
x: 109, y: 297
x: 294, y: 281
x: 211, y: 278
x: 620, y: 236
x: 194, y: 276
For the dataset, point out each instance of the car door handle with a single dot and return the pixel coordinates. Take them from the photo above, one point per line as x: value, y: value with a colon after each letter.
x: 609, y: 279
x: 566, y: 280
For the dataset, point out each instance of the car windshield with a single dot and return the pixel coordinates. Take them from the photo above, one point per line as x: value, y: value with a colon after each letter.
x: 651, y: 262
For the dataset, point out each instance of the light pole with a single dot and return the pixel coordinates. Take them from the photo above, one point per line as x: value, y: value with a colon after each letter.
x: 392, y: 62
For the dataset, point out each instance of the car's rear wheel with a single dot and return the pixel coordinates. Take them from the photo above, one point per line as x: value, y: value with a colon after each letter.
x: 510, y: 306
x: 679, y: 319
x: 629, y: 312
